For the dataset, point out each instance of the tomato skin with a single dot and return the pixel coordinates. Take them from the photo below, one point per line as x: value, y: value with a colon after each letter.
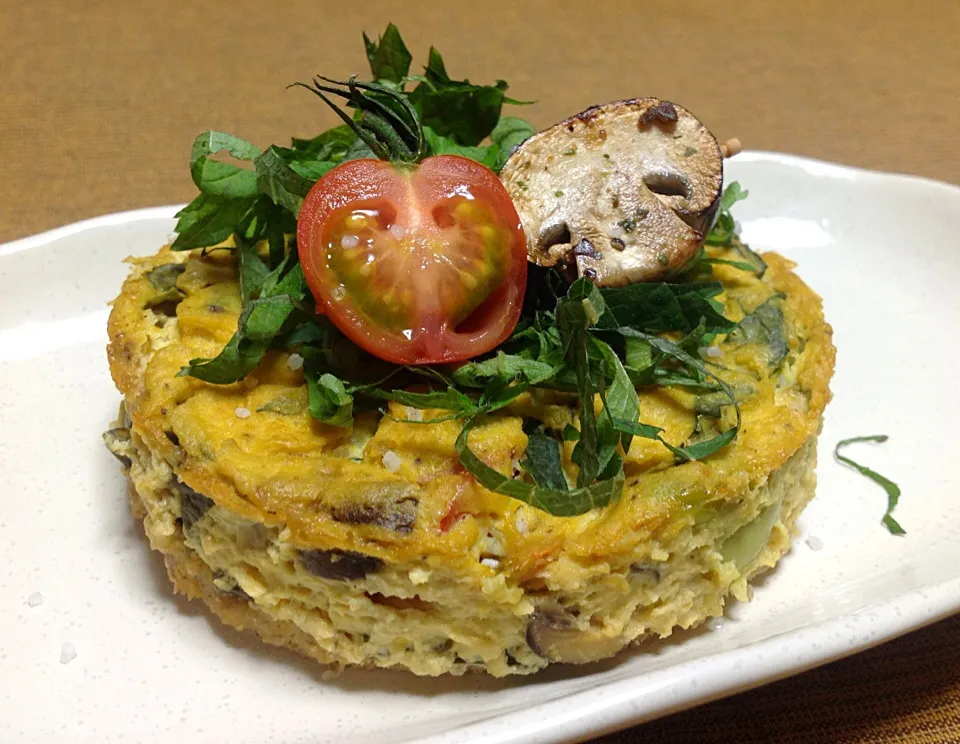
x: 422, y: 264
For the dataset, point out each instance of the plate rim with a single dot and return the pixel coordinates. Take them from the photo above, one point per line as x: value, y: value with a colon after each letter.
x: 617, y: 704
x: 927, y: 605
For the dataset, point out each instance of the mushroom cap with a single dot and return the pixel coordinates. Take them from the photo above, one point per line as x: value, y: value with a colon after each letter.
x: 623, y: 192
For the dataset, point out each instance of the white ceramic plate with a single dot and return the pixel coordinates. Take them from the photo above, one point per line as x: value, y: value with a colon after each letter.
x: 151, y: 667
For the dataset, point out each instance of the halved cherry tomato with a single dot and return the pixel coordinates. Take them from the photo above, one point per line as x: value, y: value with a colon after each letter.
x: 419, y: 264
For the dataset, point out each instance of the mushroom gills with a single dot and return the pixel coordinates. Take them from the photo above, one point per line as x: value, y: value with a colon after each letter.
x: 619, y: 193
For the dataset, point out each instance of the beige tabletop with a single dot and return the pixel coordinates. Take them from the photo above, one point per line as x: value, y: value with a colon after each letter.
x: 100, y: 101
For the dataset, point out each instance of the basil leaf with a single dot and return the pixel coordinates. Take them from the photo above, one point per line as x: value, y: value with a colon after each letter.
x: 543, y: 462
x: 450, y: 399
x: 270, y: 222
x: 759, y: 266
x: 669, y: 349
x: 766, y: 327
x: 556, y: 502
x: 577, y: 312
x: 312, y: 170
x: 209, y: 220
x: 210, y: 143
x: 259, y: 322
x: 712, y: 404
x: 436, y: 70
x: 620, y: 399
x: 507, y: 367
x: 661, y: 307
x: 287, y: 281
x: 696, y: 339
x: 639, y: 354
x: 222, y: 179
x: 359, y: 150
x: 262, y: 319
x: 279, y: 181
x: 308, y: 165
x: 509, y: 133
x: 892, y: 489
x: 389, y: 57
x: 439, y: 145
x: 310, y: 334
x: 733, y: 193
x: 330, y: 403
x: 235, y: 360
x: 331, y: 145
x: 457, y: 109
x: 638, y: 429
x: 703, y: 449
x: 499, y: 393
x: 252, y: 271
x: 724, y: 229
x: 570, y: 433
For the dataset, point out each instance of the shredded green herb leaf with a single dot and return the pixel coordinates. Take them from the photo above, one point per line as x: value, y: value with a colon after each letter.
x: 892, y: 489
x: 457, y: 116
x: 765, y: 326
x: 601, y: 344
x: 562, y: 503
x: 543, y: 461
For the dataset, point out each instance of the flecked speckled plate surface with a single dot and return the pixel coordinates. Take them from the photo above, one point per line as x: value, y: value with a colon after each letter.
x: 94, y: 646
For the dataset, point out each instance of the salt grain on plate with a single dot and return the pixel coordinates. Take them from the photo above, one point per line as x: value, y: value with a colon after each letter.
x: 294, y: 361
x: 414, y: 414
x: 35, y: 600
x: 67, y: 653
x: 391, y: 461
x: 242, y: 412
x: 814, y: 543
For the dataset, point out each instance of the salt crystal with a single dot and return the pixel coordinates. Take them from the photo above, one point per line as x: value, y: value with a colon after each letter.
x: 414, y: 414
x: 68, y: 653
x: 716, y: 623
x: 349, y: 241
x: 398, y: 231
x: 490, y: 562
x: 242, y: 412
x: 391, y: 461
x: 294, y: 361
x: 711, y: 351
x: 35, y: 600
x: 814, y: 543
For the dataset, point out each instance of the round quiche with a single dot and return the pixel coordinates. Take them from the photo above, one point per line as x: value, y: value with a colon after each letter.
x: 371, y: 545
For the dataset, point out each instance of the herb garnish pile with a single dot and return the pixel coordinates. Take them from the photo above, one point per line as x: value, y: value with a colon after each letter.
x: 571, y: 337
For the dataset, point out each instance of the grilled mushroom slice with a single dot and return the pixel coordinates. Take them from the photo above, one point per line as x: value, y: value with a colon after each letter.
x: 620, y: 193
